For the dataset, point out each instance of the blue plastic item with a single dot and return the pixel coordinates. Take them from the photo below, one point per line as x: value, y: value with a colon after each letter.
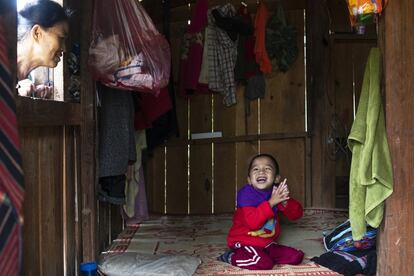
x: 89, y: 269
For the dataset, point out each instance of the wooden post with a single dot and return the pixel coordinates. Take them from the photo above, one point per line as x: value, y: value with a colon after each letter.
x: 321, y: 106
x: 396, y: 250
x: 87, y: 143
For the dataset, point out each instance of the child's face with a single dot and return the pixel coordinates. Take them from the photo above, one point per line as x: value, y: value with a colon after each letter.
x: 262, y: 173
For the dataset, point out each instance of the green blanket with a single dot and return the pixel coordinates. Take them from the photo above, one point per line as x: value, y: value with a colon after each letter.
x: 371, y: 180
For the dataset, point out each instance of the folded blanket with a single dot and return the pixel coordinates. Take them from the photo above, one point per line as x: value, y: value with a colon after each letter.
x: 371, y: 180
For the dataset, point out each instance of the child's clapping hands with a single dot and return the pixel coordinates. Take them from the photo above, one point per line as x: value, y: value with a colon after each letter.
x: 279, y: 194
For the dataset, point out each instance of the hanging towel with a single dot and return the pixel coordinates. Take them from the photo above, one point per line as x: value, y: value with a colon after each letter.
x: 371, y: 169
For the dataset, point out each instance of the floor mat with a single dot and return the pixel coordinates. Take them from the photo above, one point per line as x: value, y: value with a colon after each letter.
x: 205, y: 237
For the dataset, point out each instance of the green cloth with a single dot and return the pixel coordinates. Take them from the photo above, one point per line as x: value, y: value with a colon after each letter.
x: 371, y: 180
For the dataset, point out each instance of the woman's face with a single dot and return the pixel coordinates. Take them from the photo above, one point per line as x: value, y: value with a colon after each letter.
x: 51, y: 42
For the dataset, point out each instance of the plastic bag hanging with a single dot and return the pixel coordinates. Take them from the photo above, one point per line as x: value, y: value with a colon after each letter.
x: 362, y: 12
x: 127, y: 51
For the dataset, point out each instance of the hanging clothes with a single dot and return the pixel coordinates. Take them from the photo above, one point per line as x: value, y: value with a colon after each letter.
x: 262, y: 57
x: 151, y: 107
x: 246, y: 65
x: 222, y: 54
x: 135, y: 209
x: 116, y: 131
x: 247, y: 71
x: 166, y: 125
x: 192, y: 52
x: 203, y: 79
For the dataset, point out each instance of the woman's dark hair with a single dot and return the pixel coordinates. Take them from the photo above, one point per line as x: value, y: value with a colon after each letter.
x: 267, y: 156
x: 45, y: 13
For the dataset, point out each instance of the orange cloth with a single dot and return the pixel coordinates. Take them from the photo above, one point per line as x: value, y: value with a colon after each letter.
x: 260, y: 32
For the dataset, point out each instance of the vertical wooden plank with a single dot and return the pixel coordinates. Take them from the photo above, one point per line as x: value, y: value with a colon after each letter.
x: 200, y: 113
x: 395, y: 252
x: 283, y: 108
x: 116, y: 221
x: 200, y: 156
x: 104, y: 237
x: 177, y: 179
x: 321, y: 107
x: 341, y: 122
x: 224, y: 177
x: 87, y: 143
x: 78, y: 197
x: 155, y: 180
x: 244, y: 153
x: 200, y: 179
x: 246, y: 124
x: 224, y: 117
x: 177, y: 30
x: 69, y: 201
x: 343, y: 85
x: 290, y: 154
x: 182, y: 118
x: 308, y: 172
x: 31, y: 232
x: 51, y: 191
x: 147, y: 163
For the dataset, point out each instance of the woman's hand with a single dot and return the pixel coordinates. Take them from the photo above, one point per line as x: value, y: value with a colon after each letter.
x: 44, y: 91
x: 28, y: 89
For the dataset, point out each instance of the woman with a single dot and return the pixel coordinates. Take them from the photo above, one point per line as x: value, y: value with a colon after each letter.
x: 42, y: 30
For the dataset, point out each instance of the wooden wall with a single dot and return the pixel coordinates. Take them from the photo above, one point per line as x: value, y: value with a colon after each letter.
x: 50, y: 156
x: 64, y: 224
x: 335, y: 62
x: 203, y: 176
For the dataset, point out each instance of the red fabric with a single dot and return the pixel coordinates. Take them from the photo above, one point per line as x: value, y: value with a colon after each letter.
x: 260, y: 32
x: 199, y: 18
x: 190, y: 69
x: 151, y: 107
x: 191, y: 59
x: 11, y: 173
x: 250, y: 218
x: 9, y: 256
x: 259, y: 258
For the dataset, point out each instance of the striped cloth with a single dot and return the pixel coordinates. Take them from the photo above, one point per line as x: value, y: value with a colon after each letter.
x: 11, y: 174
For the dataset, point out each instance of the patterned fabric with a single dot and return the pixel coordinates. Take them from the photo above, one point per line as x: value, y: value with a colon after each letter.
x: 222, y: 56
x: 11, y: 174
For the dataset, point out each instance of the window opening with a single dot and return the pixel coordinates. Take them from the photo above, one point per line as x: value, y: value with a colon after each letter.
x: 48, y: 80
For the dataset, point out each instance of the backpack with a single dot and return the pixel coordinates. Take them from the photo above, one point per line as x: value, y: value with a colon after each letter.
x: 340, y: 239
